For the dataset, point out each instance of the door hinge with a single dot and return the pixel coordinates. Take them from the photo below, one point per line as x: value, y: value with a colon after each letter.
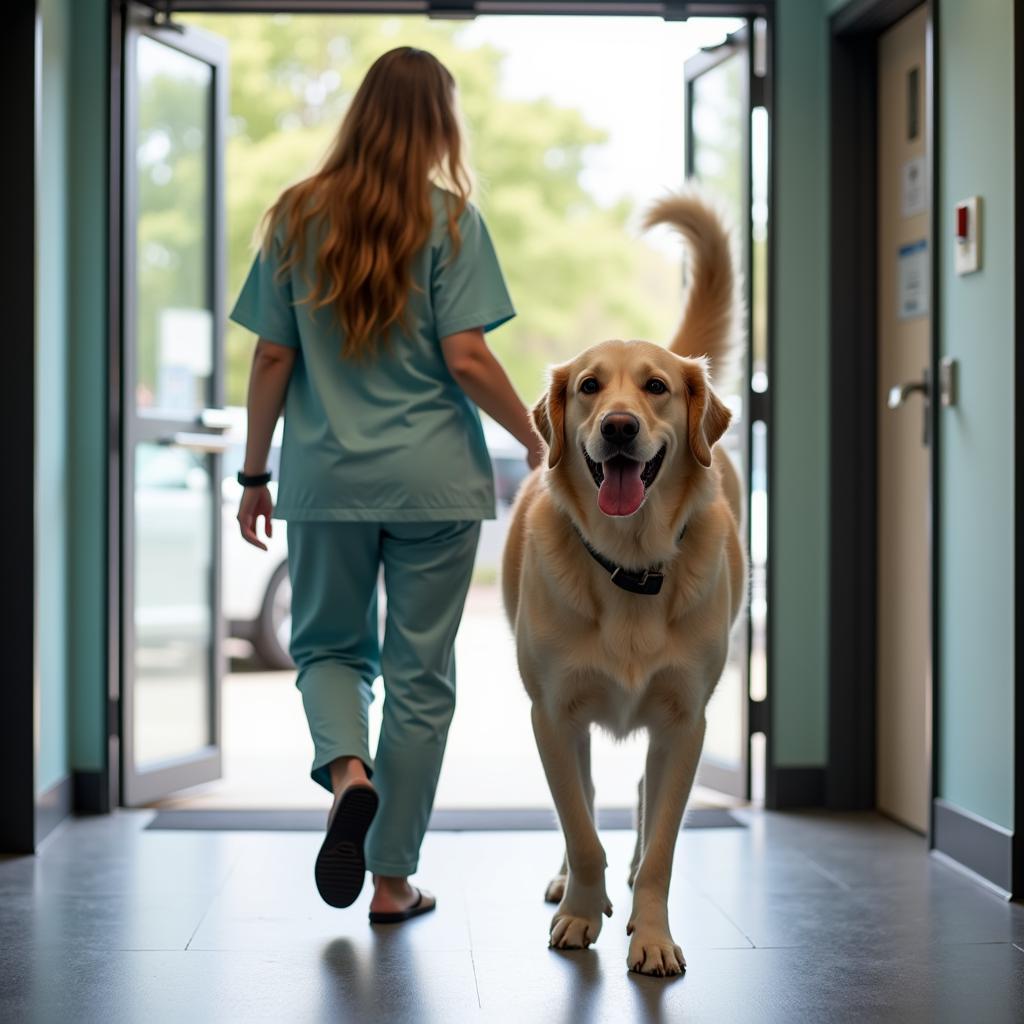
x: 760, y: 405
x: 758, y: 91
x: 757, y: 717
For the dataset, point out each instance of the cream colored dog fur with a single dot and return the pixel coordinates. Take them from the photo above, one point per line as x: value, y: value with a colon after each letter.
x: 591, y: 653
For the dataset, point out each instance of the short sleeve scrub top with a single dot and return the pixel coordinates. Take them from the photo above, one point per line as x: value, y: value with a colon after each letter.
x: 392, y: 438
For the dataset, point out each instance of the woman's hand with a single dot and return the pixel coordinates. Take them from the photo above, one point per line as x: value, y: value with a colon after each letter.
x: 256, y: 502
x: 535, y: 455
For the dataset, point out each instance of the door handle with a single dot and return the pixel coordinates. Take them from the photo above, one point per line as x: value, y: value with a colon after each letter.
x: 216, y: 419
x: 899, y: 393
x: 207, y: 444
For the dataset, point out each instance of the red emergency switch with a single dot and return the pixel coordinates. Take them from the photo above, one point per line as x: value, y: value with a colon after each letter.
x: 962, y: 222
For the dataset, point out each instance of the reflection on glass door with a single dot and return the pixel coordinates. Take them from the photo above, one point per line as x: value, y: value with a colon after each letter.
x: 726, y: 151
x: 174, y: 92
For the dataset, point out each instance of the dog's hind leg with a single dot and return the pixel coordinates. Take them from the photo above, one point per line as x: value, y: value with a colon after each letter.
x: 647, y: 796
x: 556, y: 887
x: 671, y: 767
x: 638, y: 848
x: 577, y: 922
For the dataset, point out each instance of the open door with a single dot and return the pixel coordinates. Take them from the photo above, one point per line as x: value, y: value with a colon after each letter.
x: 726, y: 152
x: 175, y: 94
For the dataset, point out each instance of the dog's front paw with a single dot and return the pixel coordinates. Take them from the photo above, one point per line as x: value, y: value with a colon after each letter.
x: 556, y: 889
x: 652, y: 951
x: 571, y: 932
x: 577, y: 922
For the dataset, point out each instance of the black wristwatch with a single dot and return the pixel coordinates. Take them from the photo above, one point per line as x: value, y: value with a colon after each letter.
x: 259, y: 480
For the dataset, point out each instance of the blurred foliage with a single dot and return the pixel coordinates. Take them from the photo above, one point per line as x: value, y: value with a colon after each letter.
x: 575, y: 273
x: 171, y: 199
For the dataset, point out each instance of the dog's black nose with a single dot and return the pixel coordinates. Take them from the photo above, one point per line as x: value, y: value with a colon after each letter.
x: 619, y: 427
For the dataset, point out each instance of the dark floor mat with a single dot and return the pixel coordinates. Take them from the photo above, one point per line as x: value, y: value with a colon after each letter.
x: 497, y: 820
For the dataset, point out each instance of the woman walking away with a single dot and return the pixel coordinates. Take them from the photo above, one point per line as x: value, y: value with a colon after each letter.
x: 374, y: 286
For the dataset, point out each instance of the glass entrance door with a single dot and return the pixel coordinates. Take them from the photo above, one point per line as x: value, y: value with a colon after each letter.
x: 174, y: 105
x: 726, y: 152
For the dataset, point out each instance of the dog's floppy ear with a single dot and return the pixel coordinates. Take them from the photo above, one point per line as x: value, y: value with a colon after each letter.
x: 549, y: 414
x: 708, y: 415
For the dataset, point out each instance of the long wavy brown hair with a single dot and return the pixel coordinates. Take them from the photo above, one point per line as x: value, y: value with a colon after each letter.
x: 369, y: 203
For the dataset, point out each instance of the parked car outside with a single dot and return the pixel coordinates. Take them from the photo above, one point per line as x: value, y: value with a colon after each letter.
x: 172, y: 495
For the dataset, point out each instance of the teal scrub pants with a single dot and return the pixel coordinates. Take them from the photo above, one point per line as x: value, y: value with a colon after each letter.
x: 334, y: 569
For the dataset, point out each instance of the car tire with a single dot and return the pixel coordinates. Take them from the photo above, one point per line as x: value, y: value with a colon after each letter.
x: 275, y: 622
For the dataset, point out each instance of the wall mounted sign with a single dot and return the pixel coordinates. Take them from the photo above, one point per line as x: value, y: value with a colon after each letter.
x: 912, y: 295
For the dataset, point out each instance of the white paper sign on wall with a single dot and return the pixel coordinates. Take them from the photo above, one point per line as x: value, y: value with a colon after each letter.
x: 913, y: 280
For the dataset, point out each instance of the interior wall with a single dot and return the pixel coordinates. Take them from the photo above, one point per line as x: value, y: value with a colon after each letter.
x: 976, y: 147
x: 71, y: 360
x: 53, y: 755
x: 87, y: 440
x: 799, y: 510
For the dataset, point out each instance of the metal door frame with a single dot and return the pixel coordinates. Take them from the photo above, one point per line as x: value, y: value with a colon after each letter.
x: 669, y: 10
x: 139, y: 787
x: 851, y: 774
x: 711, y: 772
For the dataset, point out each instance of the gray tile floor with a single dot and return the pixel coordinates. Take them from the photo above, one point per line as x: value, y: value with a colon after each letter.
x: 797, y: 918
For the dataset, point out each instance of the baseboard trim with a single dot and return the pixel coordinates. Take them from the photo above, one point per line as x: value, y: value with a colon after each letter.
x: 797, y: 787
x: 92, y: 795
x: 982, y: 847
x: 52, y: 807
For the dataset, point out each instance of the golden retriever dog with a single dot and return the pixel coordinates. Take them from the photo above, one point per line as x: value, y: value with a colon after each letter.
x: 623, y: 574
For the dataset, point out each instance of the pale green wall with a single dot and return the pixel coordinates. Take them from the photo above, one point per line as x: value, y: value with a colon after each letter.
x: 52, y: 763
x: 977, y: 519
x: 71, y: 374
x: 799, y: 509
x: 87, y: 295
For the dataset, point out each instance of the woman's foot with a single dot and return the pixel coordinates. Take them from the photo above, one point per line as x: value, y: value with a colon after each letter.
x: 395, y: 900
x: 345, y: 772
x: 340, y: 868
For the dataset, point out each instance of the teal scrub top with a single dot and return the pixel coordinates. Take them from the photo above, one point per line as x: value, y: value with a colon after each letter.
x: 392, y: 437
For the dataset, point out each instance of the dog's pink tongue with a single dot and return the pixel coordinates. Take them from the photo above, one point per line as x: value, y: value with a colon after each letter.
x: 622, y: 490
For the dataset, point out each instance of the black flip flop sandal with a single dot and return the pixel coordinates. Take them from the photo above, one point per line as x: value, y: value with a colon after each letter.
x: 398, y: 916
x: 340, y: 865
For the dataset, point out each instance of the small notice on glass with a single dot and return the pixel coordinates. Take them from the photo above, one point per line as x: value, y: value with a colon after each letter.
x: 913, y: 280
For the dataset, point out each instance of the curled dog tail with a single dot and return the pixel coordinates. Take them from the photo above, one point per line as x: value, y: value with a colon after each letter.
x: 712, y: 315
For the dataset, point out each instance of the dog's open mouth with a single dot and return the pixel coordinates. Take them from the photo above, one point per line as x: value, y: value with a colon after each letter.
x: 622, y: 482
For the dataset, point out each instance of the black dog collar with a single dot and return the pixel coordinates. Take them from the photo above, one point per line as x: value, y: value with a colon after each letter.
x: 645, y: 581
